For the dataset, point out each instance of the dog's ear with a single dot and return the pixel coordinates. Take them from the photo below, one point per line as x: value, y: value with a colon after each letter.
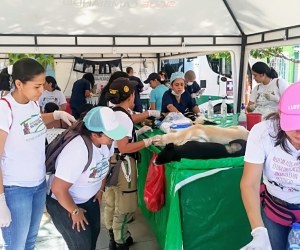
x: 166, y: 155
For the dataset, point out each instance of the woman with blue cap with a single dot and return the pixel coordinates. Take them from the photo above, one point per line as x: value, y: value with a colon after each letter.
x: 52, y: 94
x: 177, y: 99
x: 74, y: 194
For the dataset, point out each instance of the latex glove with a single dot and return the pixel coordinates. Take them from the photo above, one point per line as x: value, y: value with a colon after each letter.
x: 143, y: 130
x: 151, y: 140
x: 252, y: 107
x: 260, y: 240
x: 62, y: 115
x: 5, y: 216
x: 195, y: 95
x: 154, y: 113
x: 271, y: 97
x: 201, y: 115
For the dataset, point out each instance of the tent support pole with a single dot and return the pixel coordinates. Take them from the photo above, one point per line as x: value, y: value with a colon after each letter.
x: 158, y: 62
x: 241, y: 74
x: 233, y: 17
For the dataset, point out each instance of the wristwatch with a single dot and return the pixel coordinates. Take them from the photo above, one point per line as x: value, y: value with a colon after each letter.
x: 75, y: 211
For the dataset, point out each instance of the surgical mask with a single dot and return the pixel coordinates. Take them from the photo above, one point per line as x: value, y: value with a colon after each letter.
x: 174, y: 93
x: 189, y: 83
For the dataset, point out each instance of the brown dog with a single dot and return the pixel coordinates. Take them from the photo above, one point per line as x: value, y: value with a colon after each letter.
x: 207, y: 133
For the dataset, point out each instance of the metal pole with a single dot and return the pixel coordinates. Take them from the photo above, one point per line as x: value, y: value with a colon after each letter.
x: 241, y: 74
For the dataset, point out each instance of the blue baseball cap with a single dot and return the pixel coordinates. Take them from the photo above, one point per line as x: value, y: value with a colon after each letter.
x: 103, y: 119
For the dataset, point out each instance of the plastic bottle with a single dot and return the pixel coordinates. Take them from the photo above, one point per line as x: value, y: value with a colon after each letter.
x: 223, y: 112
x: 210, y: 109
x: 294, y: 237
x: 242, y: 117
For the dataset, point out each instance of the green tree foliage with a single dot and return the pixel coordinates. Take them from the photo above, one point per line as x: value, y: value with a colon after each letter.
x: 255, y: 53
x: 45, y: 60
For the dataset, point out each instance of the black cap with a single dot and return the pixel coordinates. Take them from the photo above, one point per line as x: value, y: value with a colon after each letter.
x: 152, y: 76
x: 120, y: 89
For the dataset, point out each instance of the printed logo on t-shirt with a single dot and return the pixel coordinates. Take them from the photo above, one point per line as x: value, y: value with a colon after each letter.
x: 285, y: 174
x: 33, y: 127
x: 50, y: 99
x: 99, y: 172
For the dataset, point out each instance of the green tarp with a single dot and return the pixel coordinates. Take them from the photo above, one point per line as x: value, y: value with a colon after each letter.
x: 203, y: 208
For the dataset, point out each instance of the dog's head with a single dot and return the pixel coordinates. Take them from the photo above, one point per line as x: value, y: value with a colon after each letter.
x: 166, y: 155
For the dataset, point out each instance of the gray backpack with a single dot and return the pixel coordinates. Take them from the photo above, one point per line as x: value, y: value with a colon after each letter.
x: 57, y: 145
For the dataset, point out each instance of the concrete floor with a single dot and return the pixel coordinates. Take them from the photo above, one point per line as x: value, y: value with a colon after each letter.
x: 50, y: 239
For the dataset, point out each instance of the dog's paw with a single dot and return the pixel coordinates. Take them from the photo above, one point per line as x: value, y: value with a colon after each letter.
x: 157, y: 140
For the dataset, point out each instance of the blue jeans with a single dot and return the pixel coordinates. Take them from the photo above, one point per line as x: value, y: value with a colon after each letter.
x: 26, y: 205
x: 278, y: 234
x: 85, y: 239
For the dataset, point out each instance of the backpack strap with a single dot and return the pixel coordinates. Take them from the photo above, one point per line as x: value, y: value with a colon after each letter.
x: 89, y: 146
x: 8, y: 104
x: 118, y: 108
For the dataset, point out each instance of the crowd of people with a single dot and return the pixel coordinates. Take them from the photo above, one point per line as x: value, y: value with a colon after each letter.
x: 101, y: 160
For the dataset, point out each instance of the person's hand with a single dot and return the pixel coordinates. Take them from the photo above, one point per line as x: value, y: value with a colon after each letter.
x: 252, y: 107
x: 157, y: 140
x: 260, y: 240
x: 79, y: 220
x: 62, y: 115
x: 194, y: 95
x: 143, y: 130
x: 98, y: 197
x: 154, y: 113
x: 272, y: 98
x: 5, y: 216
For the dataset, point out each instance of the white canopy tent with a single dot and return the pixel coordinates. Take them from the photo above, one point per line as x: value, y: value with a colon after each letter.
x: 149, y: 28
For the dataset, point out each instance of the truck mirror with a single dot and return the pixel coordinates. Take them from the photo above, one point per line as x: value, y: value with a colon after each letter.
x: 223, y: 79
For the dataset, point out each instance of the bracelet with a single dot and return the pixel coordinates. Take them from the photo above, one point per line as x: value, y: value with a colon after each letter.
x: 102, y: 191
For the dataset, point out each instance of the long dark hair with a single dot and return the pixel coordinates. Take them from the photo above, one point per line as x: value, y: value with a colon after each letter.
x: 26, y: 69
x: 4, y: 80
x: 262, y: 68
x: 279, y: 135
x: 54, y: 86
x: 81, y: 129
x: 102, y: 99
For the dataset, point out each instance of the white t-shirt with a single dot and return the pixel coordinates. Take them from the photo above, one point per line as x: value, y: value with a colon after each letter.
x: 55, y: 96
x: 281, y: 172
x: 23, y: 159
x: 257, y: 96
x: 70, y: 164
x: 126, y: 122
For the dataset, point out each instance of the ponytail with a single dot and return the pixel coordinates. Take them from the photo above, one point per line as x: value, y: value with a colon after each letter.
x: 272, y: 73
x: 50, y: 79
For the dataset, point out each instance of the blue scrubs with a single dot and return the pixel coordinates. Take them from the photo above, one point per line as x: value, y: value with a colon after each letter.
x: 186, y: 102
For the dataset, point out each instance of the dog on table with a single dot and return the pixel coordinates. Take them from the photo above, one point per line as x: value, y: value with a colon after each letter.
x: 203, y: 133
x: 201, y: 150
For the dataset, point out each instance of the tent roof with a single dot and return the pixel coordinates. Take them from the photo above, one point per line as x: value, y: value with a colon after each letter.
x: 67, y: 25
x: 146, y: 17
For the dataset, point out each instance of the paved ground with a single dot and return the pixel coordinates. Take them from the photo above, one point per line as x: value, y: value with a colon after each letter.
x: 50, y: 239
